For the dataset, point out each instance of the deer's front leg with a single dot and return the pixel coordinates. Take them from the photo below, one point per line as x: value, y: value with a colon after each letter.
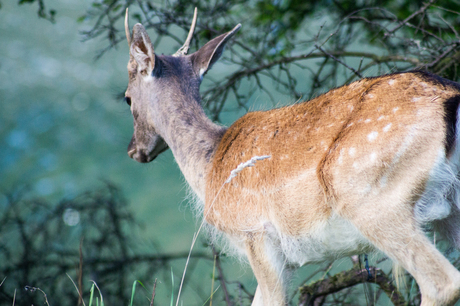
x: 268, y: 265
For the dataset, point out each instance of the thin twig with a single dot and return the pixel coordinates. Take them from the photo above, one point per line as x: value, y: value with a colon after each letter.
x: 405, y: 21
x: 452, y: 47
x: 221, y: 276
x: 33, y: 289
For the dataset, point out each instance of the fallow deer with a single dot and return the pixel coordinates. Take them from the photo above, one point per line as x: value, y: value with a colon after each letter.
x: 365, y: 166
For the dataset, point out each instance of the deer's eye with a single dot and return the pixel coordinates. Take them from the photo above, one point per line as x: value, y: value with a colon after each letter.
x: 128, y: 100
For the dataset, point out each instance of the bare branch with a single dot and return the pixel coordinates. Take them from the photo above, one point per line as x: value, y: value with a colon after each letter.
x: 405, y: 21
x: 347, y: 279
x: 339, y: 61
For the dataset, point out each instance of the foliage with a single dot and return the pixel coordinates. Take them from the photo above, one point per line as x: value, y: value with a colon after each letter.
x: 40, y: 244
x: 42, y: 12
x: 40, y: 253
x: 302, y: 48
x: 289, y: 48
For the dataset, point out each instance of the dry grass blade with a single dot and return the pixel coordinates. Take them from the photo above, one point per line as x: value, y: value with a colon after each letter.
x: 153, y: 293
x: 80, y: 274
x: 80, y: 297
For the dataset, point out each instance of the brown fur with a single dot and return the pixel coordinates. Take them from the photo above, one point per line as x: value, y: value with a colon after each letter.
x: 311, y: 135
x: 361, y: 166
x: 331, y: 154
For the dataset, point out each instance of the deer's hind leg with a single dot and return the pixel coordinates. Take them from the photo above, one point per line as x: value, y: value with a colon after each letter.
x: 388, y: 222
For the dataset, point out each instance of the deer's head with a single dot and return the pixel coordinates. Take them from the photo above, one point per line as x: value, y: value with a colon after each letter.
x: 156, y: 81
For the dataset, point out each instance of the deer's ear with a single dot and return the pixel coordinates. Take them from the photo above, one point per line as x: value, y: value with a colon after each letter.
x: 141, y: 50
x: 204, y: 58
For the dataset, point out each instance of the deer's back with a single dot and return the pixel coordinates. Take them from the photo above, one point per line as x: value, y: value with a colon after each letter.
x: 342, y: 144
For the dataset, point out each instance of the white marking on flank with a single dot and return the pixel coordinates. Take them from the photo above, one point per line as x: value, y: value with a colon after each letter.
x: 372, y: 136
x: 340, y: 160
x: 373, y: 156
x: 351, y: 151
x: 387, y: 127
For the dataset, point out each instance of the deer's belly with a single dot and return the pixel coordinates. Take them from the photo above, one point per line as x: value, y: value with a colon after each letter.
x: 333, y: 239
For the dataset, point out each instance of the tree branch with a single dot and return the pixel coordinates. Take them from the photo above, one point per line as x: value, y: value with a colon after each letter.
x: 346, y: 279
x: 405, y: 21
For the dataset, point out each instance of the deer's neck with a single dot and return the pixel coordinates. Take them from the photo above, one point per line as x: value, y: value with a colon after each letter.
x: 193, y: 139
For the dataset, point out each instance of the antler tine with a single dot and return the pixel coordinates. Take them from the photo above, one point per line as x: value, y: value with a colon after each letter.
x: 128, y: 34
x: 184, y: 49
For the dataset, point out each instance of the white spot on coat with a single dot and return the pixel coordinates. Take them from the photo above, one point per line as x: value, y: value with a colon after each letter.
x: 352, y: 151
x: 372, y: 136
x: 340, y: 160
x: 387, y: 127
x: 373, y: 156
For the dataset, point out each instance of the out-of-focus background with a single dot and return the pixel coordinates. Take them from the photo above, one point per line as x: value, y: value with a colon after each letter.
x: 72, y: 201
x: 64, y: 125
x: 64, y: 130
